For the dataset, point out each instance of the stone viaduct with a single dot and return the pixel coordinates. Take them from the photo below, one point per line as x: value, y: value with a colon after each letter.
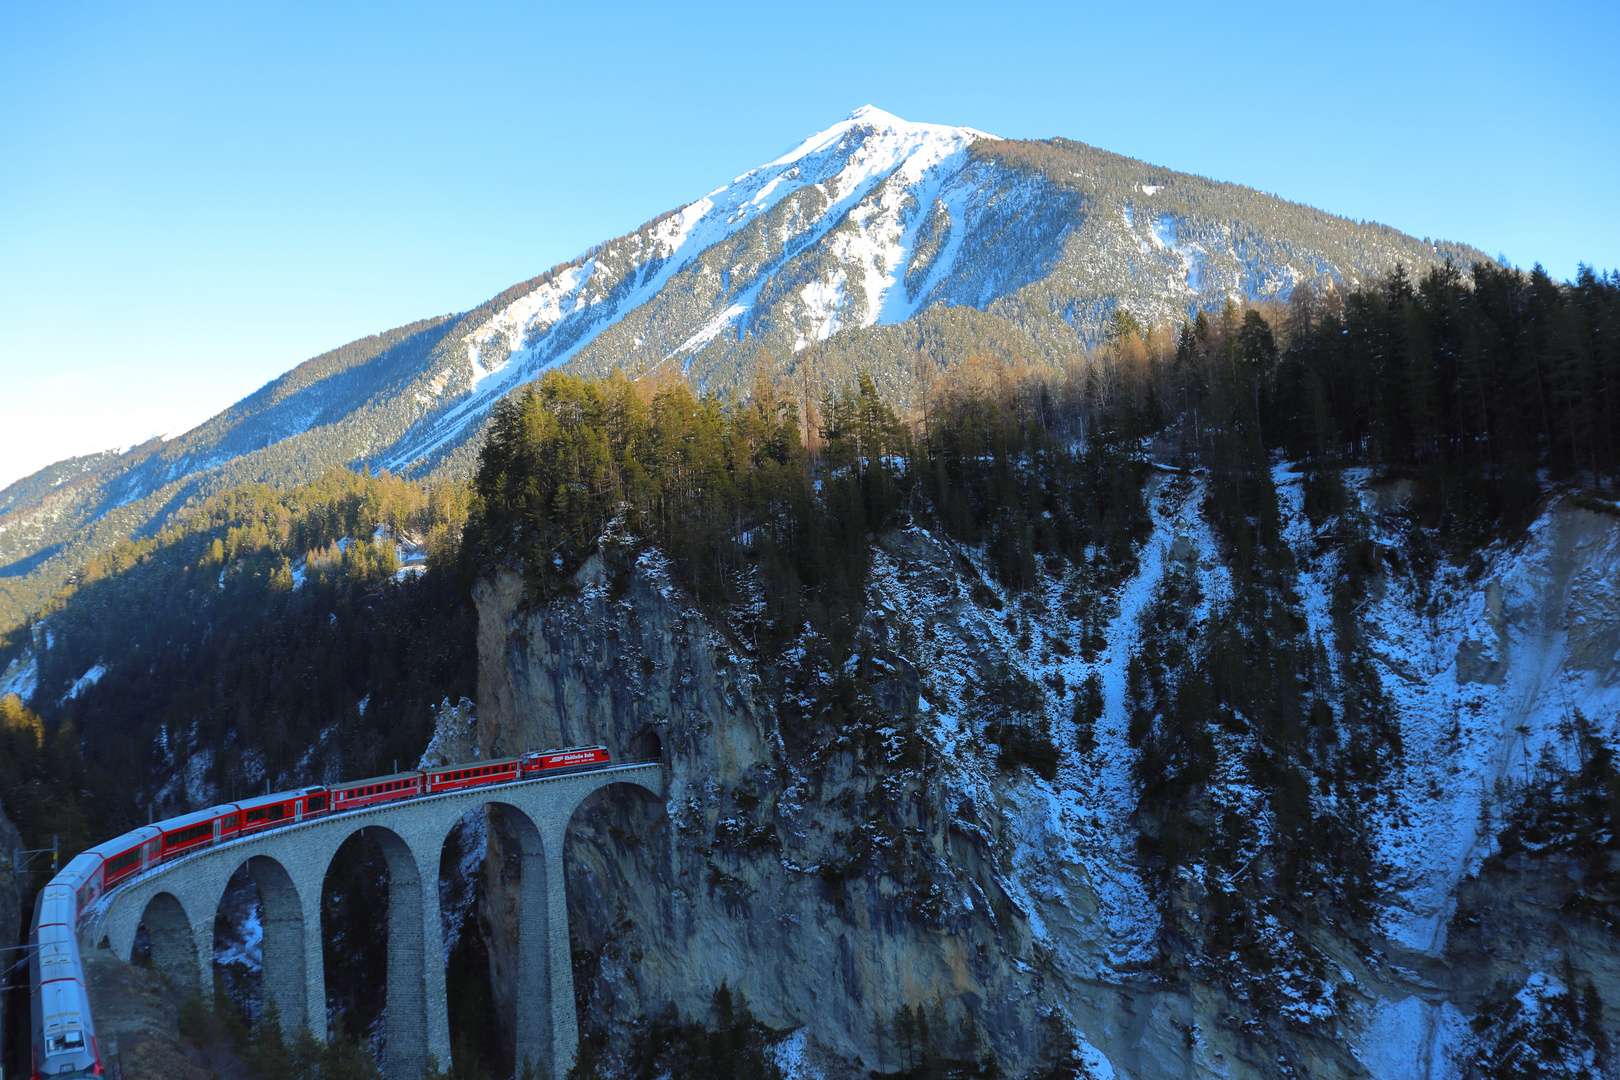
x: 178, y: 901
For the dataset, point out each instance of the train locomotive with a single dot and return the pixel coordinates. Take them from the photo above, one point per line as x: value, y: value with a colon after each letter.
x: 64, y: 1034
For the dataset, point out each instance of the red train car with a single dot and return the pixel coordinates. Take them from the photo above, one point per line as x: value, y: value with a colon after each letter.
x: 281, y: 808
x: 456, y: 777
x: 378, y: 789
x: 127, y: 855
x: 540, y: 762
x: 188, y: 831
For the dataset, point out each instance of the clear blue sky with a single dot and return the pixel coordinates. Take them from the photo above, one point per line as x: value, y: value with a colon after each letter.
x: 194, y: 198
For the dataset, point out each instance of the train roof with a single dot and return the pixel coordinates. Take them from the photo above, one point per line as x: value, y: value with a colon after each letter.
x: 458, y: 765
x: 196, y: 817
x: 79, y: 869
x: 57, y: 906
x: 58, y: 954
x: 120, y: 844
x: 63, y: 1006
x: 276, y: 797
x: 408, y: 774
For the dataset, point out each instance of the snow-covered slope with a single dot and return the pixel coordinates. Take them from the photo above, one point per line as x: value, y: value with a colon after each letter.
x: 853, y: 198
x: 851, y: 240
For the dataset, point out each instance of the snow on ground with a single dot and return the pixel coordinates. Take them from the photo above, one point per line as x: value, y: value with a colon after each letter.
x: 1481, y: 680
x: 246, y: 945
x: 86, y: 681
x: 1412, y: 1039
x: 21, y: 677
x: 792, y: 1057
x: 1097, y: 1064
x: 1100, y: 794
x: 1315, y: 580
x: 454, y: 730
x: 458, y: 892
x: 1074, y: 834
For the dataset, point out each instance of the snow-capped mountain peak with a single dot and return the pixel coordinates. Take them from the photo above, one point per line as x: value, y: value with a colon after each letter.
x: 884, y: 125
x: 863, y: 186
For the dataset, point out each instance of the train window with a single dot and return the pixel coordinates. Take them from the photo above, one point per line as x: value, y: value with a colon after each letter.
x: 189, y: 834
x: 317, y: 802
x: 258, y: 813
x: 277, y: 812
x: 230, y: 821
x: 65, y: 1042
x: 120, y: 863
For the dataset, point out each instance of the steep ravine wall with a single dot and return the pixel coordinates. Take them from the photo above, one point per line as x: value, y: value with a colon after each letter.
x: 836, y: 883
x: 725, y: 884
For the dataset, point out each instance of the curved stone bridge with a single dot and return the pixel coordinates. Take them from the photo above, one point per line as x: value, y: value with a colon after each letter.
x: 178, y: 901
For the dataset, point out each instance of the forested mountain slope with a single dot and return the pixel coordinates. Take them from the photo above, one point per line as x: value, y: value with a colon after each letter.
x: 889, y: 240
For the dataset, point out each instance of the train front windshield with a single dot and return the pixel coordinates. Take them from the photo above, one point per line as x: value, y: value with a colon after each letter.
x: 65, y: 1042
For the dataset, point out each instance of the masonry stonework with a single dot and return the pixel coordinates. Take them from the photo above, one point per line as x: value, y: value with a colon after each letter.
x: 178, y: 900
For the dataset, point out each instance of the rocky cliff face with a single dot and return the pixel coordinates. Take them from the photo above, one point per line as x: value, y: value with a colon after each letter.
x: 837, y: 873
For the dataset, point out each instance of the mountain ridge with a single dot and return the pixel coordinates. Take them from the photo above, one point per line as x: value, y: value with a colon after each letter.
x: 876, y: 229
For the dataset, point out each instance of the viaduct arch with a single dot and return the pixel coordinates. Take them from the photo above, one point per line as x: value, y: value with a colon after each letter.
x: 178, y: 901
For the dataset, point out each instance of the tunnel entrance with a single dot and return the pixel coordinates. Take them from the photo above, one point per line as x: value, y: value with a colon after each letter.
x: 647, y: 745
